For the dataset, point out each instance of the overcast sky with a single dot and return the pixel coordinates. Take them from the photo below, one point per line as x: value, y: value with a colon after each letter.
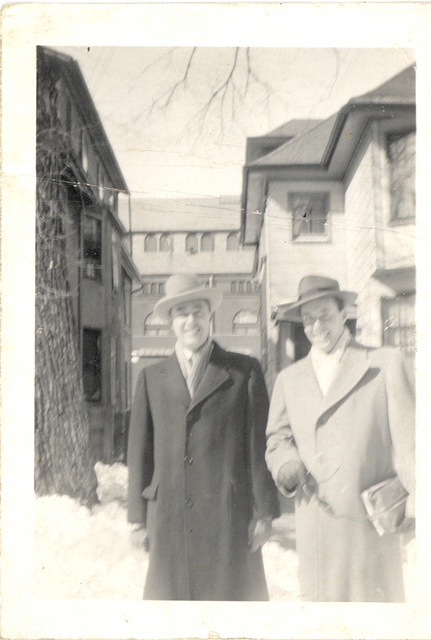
x: 176, y: 151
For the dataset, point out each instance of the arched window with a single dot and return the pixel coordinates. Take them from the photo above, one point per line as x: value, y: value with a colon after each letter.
x: 207, y: 242
x: 245, y: 323
x: 155, y: 326
x: 165, y: 242
x: 232, y: 242
x: 150, y: 242
x: 191, y: 243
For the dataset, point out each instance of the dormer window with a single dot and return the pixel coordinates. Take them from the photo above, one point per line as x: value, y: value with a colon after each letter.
x: 309, y: 216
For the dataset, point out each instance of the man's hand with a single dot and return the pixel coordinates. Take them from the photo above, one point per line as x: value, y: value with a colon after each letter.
x: 138, y: 538
x: 259, y: 532
x: 291, y: 476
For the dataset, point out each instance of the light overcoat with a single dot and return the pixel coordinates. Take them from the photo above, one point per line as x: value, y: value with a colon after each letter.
x: 360, y: 433
x: 199, y: 466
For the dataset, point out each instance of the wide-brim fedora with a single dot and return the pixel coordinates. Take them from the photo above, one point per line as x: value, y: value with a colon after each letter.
x: 185, y: 287
x: 311, y: 288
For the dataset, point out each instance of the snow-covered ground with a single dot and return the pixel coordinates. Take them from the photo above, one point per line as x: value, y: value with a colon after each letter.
x: 83, y: 553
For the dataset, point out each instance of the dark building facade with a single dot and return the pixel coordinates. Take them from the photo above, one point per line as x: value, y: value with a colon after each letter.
x: 100, y: 271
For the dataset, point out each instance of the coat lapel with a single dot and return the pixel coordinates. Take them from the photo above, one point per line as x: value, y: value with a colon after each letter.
x: 353, y: 367
x: 216, y: 374
x: 173, y: 381
x: 307, y: 393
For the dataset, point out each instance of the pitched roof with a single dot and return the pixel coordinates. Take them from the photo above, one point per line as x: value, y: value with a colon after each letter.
x: 312, y: 136
x: 71, y: 71
x: 292, y: 128
x: 399, y: 89
x: 307, y: 148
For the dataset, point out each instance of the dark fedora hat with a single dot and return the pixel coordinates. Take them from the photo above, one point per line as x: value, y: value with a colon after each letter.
x: 185, y: 287
x: 311, y: 288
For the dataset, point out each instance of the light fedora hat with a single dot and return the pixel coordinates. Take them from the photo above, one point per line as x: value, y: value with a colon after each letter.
x: 184, y: 287
x: 311, y: 288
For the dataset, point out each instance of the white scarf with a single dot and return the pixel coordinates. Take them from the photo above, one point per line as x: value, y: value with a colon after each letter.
x: 193, y: 363
x: 325, y: 365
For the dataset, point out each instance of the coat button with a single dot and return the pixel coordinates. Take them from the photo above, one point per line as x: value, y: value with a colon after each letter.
x: 188, y: 460
x: 188, y: 502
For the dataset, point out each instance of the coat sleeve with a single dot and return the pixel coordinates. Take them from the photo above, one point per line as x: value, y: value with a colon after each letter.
x: 280, y: 445
x: 265, y: 499
x: 401, y: 412
x: 140, y: 453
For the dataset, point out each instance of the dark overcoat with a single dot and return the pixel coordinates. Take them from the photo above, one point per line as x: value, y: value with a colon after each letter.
x: 197, y: 476
x: 360, y: 433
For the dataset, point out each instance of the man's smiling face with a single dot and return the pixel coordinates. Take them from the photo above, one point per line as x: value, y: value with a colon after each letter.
x: 323, y: 322
x: 191, y: 323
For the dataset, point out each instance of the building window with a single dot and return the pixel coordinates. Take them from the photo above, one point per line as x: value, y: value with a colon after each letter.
x: 207, y: 242
x: 233, y: 286
x: 153, y: 288
x: 245, y: 323
x: 84, y: 152
x: 92, y: 248
x: 68, y: 117
x: 100, y: 181
x: 155, y: 326
x: 127, y: 299
x: 115, y: 260
x: 161, y: 288
x: 309, y: 215
x: 150, y: 243
x: 165, y: 242
x: 402, y: 163
x: 232, y: 242
x: 191, y: 243
x: 399, y: 324
x: 92, y: 364
x: 113, y: 201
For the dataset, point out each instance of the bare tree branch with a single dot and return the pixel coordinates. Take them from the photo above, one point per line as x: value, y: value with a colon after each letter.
x: 180, y: 82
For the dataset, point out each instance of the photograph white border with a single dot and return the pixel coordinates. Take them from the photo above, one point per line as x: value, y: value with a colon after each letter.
x: 24, y: 26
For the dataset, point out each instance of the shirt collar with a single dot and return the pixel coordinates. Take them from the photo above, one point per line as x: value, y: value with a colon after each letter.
x: 188, y: 353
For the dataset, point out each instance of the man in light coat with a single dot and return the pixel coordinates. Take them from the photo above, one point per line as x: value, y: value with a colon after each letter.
x: 341, y: 420
x: 199, y: 488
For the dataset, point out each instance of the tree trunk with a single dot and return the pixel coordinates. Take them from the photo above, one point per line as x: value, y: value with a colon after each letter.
x: 62, y: 453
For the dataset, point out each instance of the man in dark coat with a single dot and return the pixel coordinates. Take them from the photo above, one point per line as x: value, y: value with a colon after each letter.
x: 199, y: 488
x: 341, y: 421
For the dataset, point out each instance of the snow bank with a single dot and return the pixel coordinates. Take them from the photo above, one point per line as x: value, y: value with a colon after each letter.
x: 83, y: 553
x: 86, y: 553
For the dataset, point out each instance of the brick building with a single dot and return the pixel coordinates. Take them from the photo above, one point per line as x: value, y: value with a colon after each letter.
x: 201, y: 236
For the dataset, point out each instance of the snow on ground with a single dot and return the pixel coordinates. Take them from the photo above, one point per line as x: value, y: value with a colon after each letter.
x: 83, y: 553
x: 86, y: 553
